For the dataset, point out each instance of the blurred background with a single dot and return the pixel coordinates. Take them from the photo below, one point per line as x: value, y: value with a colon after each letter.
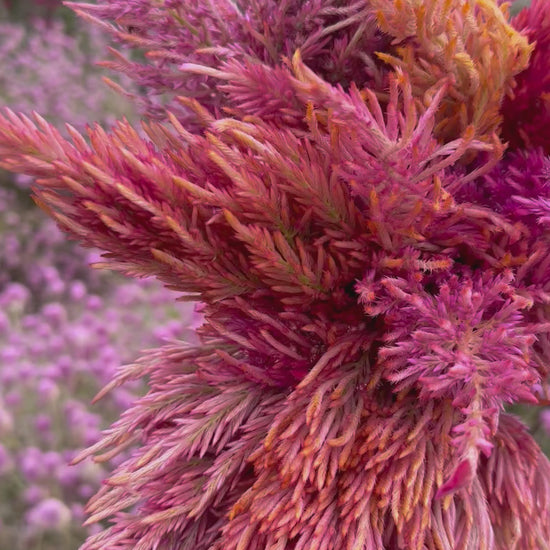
x: 64, y: 328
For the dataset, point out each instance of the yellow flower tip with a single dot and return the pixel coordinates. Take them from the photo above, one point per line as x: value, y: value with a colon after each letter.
x: 381, y: 19
x: 297, y: 60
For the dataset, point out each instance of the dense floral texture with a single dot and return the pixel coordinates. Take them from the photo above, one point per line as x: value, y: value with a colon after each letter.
x: 337, y: 39
x: 471, y: 42
x: 527, y: 110
x: 340, y: 41
x: 368, y: 314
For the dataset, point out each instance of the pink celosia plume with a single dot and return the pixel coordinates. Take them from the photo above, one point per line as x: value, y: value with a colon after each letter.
x: 527, y: 107
x: 338, y: 39
x: 372, y: 298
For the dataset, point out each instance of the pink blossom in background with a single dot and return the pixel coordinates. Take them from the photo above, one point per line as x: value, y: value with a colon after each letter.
x: 50, y: 71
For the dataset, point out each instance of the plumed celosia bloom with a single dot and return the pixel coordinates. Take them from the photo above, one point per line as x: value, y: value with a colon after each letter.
x: 518, y: 187
x: 337, y: 39
x: 472, y: 42
x: 527, y: 109
x: 369, y: 309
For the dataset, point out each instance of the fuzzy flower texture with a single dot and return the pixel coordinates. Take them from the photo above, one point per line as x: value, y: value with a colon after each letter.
x: 359, y: 193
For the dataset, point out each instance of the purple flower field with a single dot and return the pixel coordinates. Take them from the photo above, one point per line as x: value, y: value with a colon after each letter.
x: 274, y: 275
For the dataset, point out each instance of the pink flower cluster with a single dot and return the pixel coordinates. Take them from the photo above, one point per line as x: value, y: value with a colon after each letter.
x: 55, y: 73
x: 335, y: 184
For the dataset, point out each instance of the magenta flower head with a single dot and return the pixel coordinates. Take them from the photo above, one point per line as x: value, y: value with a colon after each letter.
x: 527, y: 109
x: 369, y: 311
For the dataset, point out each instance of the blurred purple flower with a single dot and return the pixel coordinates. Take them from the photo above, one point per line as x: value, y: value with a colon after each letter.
x: 51, y: 513
x: 30, y: 464
x: 57, y: 74
x: 34, y: 494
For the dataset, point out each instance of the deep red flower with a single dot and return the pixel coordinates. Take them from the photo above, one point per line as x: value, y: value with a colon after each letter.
x: 526, y: 110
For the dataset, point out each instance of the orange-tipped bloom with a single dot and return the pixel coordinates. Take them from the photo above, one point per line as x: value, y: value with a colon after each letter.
x: 368, y: 313
x: 471, y: 42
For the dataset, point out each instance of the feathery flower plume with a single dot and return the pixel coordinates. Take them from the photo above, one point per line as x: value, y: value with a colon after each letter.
x: 367, y: 314
x: 526, y: 109
x: 470, y: 40
x: 337, y: 39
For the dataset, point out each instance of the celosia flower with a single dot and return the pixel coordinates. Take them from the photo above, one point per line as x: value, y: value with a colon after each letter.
x: 337, y: 39
x: 470, y: 41
x: 367, y: 318
x: 518, y: 187
x: 526, y: 110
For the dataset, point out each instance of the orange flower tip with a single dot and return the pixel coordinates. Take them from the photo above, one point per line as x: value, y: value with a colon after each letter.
x: 381, y: 19
x: 195, y: 68
x: 115, y: 86
x: 231, y: 219
x: 120, y: 479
